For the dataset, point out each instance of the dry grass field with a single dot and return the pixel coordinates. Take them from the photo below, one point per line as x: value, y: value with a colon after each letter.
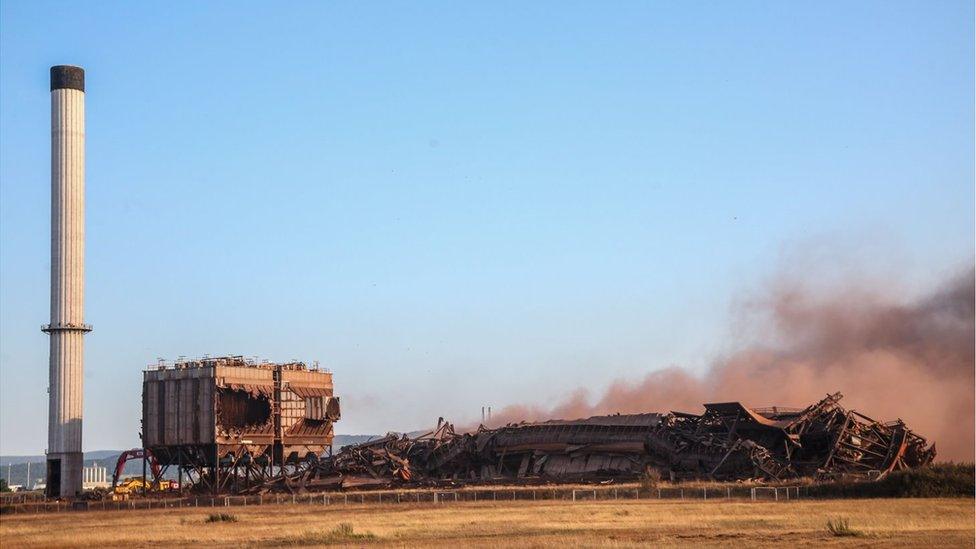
x: 875, y: 522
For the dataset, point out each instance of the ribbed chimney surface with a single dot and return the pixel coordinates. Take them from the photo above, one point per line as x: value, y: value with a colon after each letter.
x: 65, y: 465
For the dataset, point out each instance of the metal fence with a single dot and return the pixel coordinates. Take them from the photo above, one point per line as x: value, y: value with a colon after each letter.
x: 21, y: 497
x: 430, y: 497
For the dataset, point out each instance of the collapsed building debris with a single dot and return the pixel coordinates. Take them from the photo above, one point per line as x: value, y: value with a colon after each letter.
x: 235, y: 426
x: 730, y: 441
x: 589, y: 449
x: 727, y: 442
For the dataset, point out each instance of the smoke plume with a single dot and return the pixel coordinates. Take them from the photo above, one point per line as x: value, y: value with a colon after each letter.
x: 891, y: 359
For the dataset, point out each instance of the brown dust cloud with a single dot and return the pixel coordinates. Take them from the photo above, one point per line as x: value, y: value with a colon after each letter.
x: 891, y: 359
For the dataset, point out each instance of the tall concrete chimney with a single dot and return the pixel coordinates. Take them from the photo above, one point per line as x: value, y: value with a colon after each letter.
x: 65, y: 464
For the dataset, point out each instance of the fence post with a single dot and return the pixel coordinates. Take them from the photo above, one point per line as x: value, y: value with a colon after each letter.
x: 728, y: 492
x: 574, y: 495
x: 682, y: 493
x: 658, y: 493
x: 705, y: 494
x: 776, y: 494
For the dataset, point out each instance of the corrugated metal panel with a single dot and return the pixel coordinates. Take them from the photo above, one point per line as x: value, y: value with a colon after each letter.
x: 177, y: 407
x: 244, y: 376
x: 150, y: 411
x: 308, y: 427
x: 169, y: 411
x: 205, y: 407
x: 308, y: 392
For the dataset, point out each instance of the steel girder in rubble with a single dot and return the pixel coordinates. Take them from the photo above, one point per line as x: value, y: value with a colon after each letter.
x: 730, y: 441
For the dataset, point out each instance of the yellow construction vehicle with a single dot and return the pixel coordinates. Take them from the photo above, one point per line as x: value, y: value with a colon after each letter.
x: 122, y: 488
x: 135, y: 485
x: 126, y: 487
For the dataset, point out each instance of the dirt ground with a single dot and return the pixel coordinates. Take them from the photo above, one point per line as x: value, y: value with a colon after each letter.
x: 877, y: 523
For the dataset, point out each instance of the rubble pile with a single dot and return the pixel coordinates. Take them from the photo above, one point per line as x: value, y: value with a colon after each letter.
x: 732, y: 442
x: 393, y: 459
x: 727, y: 442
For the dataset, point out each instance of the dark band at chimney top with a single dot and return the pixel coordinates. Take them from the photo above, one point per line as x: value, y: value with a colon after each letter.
x: 67, y: 77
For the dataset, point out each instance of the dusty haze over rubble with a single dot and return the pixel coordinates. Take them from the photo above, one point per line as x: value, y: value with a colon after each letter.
x: 890, y: 357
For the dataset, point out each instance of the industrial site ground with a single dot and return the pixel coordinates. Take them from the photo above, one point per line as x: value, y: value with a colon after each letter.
x: 905, y: 522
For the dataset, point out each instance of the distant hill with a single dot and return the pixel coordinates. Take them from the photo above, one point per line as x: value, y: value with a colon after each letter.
x: 97, y: 454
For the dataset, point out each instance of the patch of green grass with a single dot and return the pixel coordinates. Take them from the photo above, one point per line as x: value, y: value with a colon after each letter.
x: 342, y: 533
x: 221, y: 517
x: 842, y: 528
x: 941, y: 480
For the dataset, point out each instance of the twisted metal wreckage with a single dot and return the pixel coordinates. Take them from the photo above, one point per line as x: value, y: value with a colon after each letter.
x: 727, y: 442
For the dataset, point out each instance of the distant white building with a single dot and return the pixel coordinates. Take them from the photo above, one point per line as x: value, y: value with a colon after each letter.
x: 94, y: 477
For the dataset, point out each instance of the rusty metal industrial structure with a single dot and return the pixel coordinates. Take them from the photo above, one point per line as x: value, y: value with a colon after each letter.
x: 727, y: 442
x: 268, y: 427
x: 823, y: 440
x: 597, y: 448
x: 229, y: 423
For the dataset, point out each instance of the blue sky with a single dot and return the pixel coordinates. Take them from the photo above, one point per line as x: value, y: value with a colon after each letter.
x: 452, y: 205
